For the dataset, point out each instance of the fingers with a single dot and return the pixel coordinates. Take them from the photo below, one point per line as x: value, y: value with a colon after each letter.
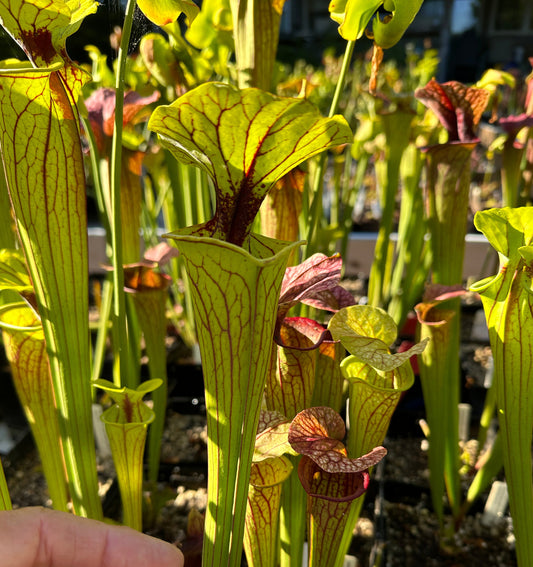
x: 37, y: 537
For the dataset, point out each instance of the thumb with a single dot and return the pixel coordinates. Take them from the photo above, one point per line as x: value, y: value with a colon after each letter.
x: 37, y: 536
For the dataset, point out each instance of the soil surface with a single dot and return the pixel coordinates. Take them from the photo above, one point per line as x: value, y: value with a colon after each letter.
x: 397, y: 525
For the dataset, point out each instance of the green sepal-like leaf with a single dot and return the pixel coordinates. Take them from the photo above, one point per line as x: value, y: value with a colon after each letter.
x: 506, y: 229
x: 245, y: 140
x: 389, y: 31
x: 212, y: 26
x: 163, y: 12
x: 367, y: 332
x: 128, y: 407
x: 353, y: 16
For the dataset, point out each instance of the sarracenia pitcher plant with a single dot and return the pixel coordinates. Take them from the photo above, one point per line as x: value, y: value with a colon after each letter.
x: 23, y: 339
x: 277, y: 475
x: 508, y: 303
x: 376, y: 380
x: 304, y: 371
x: 42, y: 155
x: 126, y: 422
x: 331, y: 479
x: 245, y: 141
x: 45, y: 178
x: 459, y: 109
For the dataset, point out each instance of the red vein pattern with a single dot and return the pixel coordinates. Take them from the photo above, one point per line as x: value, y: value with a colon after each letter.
x: 246, y: 141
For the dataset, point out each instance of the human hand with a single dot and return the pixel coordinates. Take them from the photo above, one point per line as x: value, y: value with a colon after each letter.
x: 38, y: 537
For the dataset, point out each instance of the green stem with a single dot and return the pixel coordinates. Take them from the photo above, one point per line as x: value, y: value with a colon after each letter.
x: 397, y: 127
x: 378, y: 284
x: 315, y: 211
x: 347, y: 194
x: 97, y: 168
x: 342, y: 78
x: 133, y: 377
x: 150, y: 307
x: 119, y: 304
x: 175, y: 215
x: 360, y: 171
x: 103, y: 326
x: 334, y: 211
x: 489, y: 411
x: 408, y: 267
x: 293, y: 519
x: 448, y: 188
x: 439, y: 373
